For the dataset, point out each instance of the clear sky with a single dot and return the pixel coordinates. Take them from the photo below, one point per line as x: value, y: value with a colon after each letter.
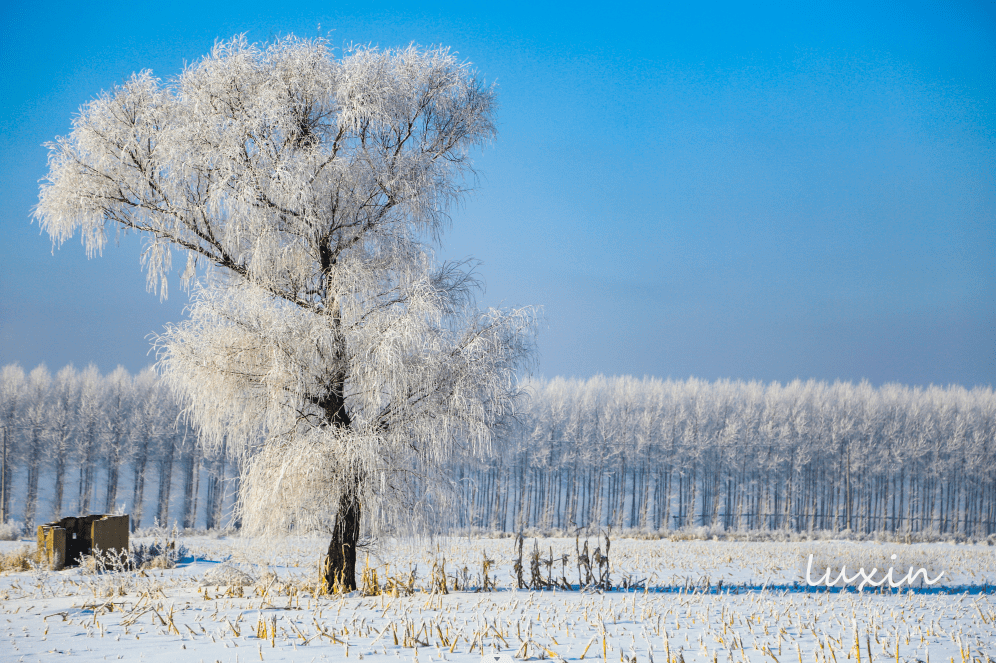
x: 743, y: 190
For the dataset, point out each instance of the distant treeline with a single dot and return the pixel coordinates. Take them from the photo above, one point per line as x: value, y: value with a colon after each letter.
x: 625, y: 453
x: 80, y: 442
x: 807, y: 456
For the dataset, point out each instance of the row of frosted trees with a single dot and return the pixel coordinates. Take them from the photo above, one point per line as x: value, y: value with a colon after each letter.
x: 660, y: 454
x: 625, y: 453
x: 79, y: 442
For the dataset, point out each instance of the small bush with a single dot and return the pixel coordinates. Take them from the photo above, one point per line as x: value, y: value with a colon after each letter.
x: 161, y: 553
x: 158, y: 555
x: 11, y: 530
x: 227, y: 575
x: 22, y: 559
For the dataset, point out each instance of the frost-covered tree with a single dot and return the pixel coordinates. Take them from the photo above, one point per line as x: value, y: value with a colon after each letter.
x: 91, y: 404
x: 36, y: 420
x: 12, y: 386
x: 150, y: 422
x: 215, y: 495
x: 119, y: 400
x: 312, y: 187
x: 164, y: 457
x: 63, y: 422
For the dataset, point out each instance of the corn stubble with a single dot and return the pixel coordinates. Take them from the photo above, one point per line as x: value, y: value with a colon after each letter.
x: 460, y: 603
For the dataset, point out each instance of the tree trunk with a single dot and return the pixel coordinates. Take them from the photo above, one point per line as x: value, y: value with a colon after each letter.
x: 31, y: 501
x: 340, y: 563
x: 191, y: 486
x: 113, y: 468
x: 216, y: 490
x: 4, y: 481
x: 165, y: 482
x: 60, y: 482
x: 138, y: 494
x: 86, y: 473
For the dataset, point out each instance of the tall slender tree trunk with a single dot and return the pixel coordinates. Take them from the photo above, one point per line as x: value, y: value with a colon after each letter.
x: 138, y: 494
x: 588, y: 499
x: 216, y: 491
x: 86, y: 473
x: 509, y: 485
x: 113, y: 469
x: 237, y: 494
x: 192, y: 468
x: 656, y: 514
x: 34, y: 463
x: 4, y: 480
x: 848, y: 503
x: 165, y: 482
x: 60, y: 482
x: 666, y: 492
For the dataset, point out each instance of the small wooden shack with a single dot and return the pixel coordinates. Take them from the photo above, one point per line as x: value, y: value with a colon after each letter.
x: 64, y: 542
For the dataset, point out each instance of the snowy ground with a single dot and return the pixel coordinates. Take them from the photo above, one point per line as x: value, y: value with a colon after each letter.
x: 236, y: 599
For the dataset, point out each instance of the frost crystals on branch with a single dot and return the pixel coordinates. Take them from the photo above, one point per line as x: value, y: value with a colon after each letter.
x: 311, y: 188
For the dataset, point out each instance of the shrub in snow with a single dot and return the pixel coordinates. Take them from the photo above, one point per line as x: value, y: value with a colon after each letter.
x: 227, y: 575
x: 22, y: 559
x: 162, y: 553
x: 11, y: 530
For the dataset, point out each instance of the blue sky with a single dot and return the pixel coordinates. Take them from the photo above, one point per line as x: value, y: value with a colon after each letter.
x: 719, y: 190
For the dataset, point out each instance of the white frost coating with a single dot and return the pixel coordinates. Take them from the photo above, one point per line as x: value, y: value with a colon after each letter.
x: 325, y: 343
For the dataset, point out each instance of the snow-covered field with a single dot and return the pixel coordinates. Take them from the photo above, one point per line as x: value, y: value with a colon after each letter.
x: 235, y: 599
